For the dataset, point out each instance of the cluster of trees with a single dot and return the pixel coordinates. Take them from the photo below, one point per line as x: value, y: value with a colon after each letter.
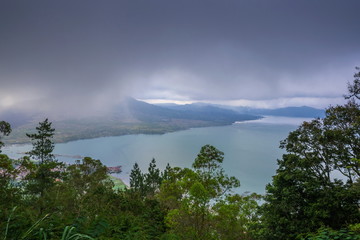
x: 315, y: 193
x: 42, y: 198
x: 317, y: 183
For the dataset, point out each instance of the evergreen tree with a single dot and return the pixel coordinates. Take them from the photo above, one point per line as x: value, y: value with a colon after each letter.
x: 166, y: 173
x: 45, y: 172
x: 137, y: 180
x: 43, y: 145
x: 152, y: 178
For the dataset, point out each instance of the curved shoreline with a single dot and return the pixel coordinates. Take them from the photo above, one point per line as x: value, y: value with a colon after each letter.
x: 113, y: 131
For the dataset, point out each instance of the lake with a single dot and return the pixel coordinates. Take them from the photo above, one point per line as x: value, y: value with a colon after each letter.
x: 251, y: 149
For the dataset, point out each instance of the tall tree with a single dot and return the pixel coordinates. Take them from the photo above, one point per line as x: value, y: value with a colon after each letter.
x: 43, y: 145
x: 315, y: 183
x: 137, y: 180
x: 190, y: 195
x: 208, y: 165
x: 165, y: 175
x: 45, y: 172
x: 145, y: 184
x: 152, y: 178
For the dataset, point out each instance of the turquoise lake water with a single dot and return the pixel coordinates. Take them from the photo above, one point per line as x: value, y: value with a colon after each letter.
x: 251, y: 149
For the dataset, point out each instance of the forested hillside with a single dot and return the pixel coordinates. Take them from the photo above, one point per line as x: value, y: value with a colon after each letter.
x: 315, y: 193
x: 129, y: 117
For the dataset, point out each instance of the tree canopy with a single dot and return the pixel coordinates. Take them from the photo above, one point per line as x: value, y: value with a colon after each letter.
x: 317, y: 181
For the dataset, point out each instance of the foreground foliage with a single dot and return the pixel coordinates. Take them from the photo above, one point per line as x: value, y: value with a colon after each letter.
x: 51, y: 200
x: 317, y: 182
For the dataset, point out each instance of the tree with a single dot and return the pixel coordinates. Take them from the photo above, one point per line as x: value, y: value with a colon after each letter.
x: 235, y: 216
x: 5, y: 129
x: 85, y: 193
x: 43, y: 145
x: 165, y: 174
x: 137, y: 180
x: 354, y: 88
x: 190, y: 196
x: 8, y: 173
x: 208, y: 165
x: 298, y: 201
x: 44, y: 174
x: 10, y: 193
x: 152, y: 178
x: 147, y: 184
x: 86, y: 175
x: 315, y: 183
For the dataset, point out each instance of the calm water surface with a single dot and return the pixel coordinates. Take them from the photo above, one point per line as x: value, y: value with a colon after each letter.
x: 251, y: 149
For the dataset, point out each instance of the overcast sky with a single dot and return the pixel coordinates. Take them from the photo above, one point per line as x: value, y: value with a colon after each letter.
x: 82, y: 55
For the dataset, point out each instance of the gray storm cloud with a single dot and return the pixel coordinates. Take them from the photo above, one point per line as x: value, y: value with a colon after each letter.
x: 77, y: 56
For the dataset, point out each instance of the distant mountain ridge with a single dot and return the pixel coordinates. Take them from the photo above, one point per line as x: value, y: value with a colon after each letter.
x: 149, y: 112
x: 131, y: 117
x: 303, y: 111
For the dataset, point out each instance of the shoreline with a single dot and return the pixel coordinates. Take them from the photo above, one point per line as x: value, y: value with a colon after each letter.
x: 261, y: 119
x: 146, y: 132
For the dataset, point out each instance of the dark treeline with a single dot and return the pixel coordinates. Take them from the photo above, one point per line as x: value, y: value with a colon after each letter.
x: 315, y: 193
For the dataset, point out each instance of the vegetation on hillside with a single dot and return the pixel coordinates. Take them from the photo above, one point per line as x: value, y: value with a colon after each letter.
x: 315, y: 193
x: 131, y: 117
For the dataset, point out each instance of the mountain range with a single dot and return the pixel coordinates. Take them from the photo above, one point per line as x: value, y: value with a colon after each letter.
x: 137, y: 117
x: 303, y: 111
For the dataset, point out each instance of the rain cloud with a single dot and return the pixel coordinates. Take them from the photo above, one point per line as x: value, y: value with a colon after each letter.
x: 84, y: 56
